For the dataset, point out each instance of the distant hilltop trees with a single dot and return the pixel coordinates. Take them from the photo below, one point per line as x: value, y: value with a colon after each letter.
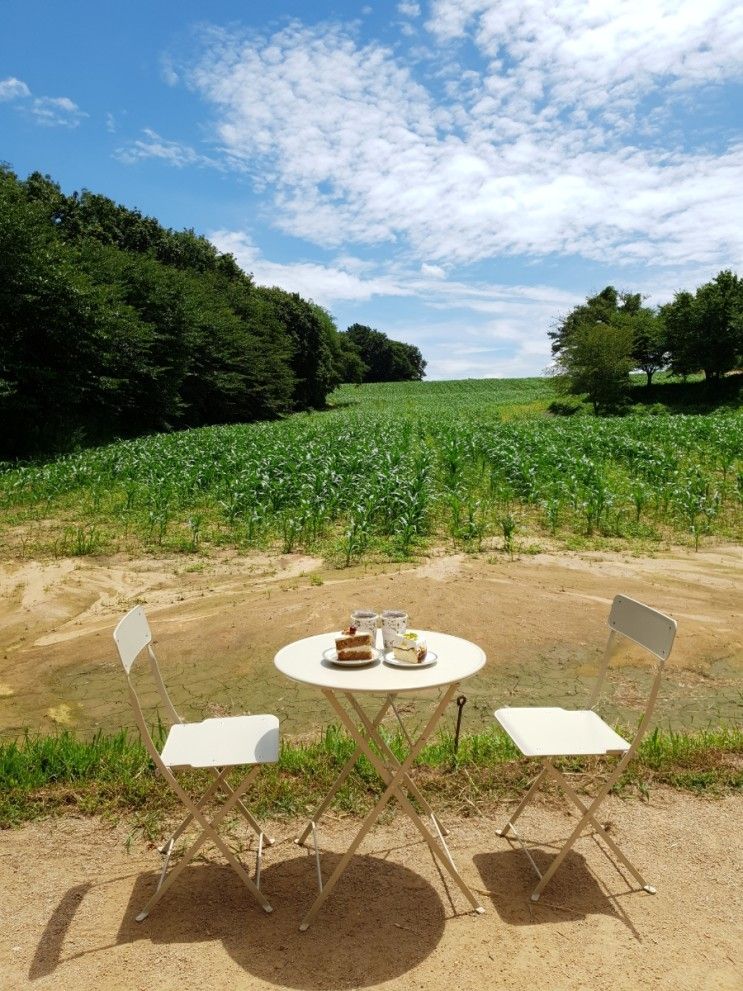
x: 113, y: 325
x: 384, y: 360
x: 600, y: 342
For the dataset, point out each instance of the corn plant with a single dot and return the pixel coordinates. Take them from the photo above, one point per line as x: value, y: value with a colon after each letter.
x: 400, y: 464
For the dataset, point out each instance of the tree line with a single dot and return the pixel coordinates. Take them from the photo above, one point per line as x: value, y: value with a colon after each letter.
x: 602, y: 341
x: 113, y: 325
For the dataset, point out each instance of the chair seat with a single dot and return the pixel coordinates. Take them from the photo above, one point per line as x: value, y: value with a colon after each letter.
x: 553, y: 732
x: 225, y: 742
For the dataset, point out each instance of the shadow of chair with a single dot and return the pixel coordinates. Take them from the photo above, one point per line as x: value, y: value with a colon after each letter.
x: 575, y: 894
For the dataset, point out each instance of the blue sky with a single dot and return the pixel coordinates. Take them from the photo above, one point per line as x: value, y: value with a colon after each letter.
x: 457, y: 173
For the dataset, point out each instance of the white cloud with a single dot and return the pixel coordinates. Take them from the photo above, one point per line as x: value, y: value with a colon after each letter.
x: 174, y: 153
x: 576, y: 52
x: 168, y: 71
x: 49, y: 111
x: 324, y: 284
x: 56, y: 111
x: 503, y: 346
x: 499, y: 331
x: 13, y: 89
x: 409, y: 9
x: 354, y: 150
x: 351, y: 278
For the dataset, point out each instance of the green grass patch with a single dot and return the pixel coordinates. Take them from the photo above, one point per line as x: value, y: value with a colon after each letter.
x: 112, y: 775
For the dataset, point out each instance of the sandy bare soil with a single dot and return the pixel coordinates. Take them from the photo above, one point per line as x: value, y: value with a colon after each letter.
x: 71, y: 891
x: 219, y: 620
x: 70, y: 888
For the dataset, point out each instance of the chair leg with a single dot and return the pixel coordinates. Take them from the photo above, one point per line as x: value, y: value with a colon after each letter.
x: 611, y: 843
x: 208, y: 832
x: 588, y: 816
x: 210, y: 792
x: 247, y: 814
x: 524, y: 801
x: 220, y: 783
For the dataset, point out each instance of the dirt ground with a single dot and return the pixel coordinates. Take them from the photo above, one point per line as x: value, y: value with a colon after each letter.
x: 71, y: 889
x: 219, y: 621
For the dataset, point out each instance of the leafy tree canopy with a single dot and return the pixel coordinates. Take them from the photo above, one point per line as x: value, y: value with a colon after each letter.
x: 597, y: 361
x: 111, y: 325
x: 600, y: 341
x: 385, y: 360
x: 611, y: 308
x: 705, y: 329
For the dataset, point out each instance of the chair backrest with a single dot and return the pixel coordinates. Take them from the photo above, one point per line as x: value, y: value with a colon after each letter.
x: 648, y: 628
x: 131, y: 636
x: 644, y: 626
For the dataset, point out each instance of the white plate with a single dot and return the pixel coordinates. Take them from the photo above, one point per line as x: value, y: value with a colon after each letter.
x: 331, y: 656
x: 430, y: 658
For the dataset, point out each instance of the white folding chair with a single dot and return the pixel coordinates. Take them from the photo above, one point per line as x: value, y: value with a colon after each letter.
x: 549, y: 733
x: 216, y: 744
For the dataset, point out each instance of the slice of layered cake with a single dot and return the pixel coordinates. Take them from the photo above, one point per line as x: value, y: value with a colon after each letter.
x: 410, y: 648
x: 353, y: 646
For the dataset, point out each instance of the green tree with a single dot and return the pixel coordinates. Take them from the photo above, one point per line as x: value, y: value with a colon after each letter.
x: 705, y: 330
x: 624, y: 312
x: 112, y: 324
x: 679, y: 320
x: 311, y: 331
x: 386, y: 360
x: 597, y: 362
x: 350, y: 364
x: 599, y: 309
x: 266, y: 352
x: 650, y: 346
x: 53, y: 325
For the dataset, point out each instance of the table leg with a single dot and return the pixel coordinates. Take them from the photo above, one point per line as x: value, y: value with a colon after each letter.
x: 442, y: 852
x: 395, y: 776
x: 347, y: 768
x: 371, y: 729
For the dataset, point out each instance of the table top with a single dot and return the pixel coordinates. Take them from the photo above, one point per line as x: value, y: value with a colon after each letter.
x: 303, y: 661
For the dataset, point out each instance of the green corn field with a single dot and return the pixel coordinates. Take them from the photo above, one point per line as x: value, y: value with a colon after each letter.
x: 391, y: 470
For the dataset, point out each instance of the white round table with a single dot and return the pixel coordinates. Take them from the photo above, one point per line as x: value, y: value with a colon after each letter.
x: 303, y: 661
x: 456, y: 660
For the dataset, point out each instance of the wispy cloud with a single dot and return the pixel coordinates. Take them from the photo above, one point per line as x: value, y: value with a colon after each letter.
x: 174, y: 153
x: 594, y: 55
x: 49, y: 111
x: 354, y: 149
x: 56, y: 111
x: 13, y: 89
x: 325, y: 284
x: 168, y: 71
x: 573, y: 136
x: 497, y: 330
